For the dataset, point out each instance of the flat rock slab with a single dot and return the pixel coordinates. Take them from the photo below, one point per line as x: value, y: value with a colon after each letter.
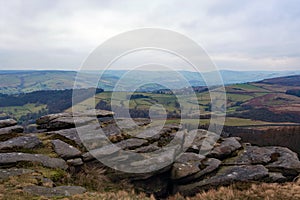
x: 6, y: 173
x: 22, y: 142
x: 89, y: 134
x: 200, y: 141
x: 46, y: 161
x: 251, y: 155
x: 7, y: 122
x: 47, y: 118
x: 89, y: 113
x: 60, y: 191
x: 70, y: 134
x: 131, y: 143
x: 225, y: 148
x: 94, y: 113
x: 202, y: 168
x: 276, y: 159
x: 155, y: 133
x: 11, y: 129
x: 67, y: 122
x: 284, y: 161
x: 225, y: 177
x: 129, y: 124
x: 147, y: 149
x: 65, y: 150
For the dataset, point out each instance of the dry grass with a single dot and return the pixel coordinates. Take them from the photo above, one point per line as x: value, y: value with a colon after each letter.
x: 120, y: 195
x: 92, y: 178
x: 12, y: 189
x: 265, y: 191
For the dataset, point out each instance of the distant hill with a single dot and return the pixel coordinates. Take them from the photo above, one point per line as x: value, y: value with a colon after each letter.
x: 22, y: 81
x: 285, y: 81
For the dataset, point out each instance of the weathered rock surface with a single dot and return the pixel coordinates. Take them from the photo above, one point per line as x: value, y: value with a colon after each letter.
x: 6, y: 173
x: 69, y: 120
x: 147, y: 149
x: 200, y: 141
x: 7, y: 122
x: 225, y: 148
x: 14, y: 158
x: 251, y: 155
x: 23, y: 142
x: 276, y: 159
x: 155, y: 133
x: 275, y: 177
x: 131, y: 143
x: 94, y: 113
x: 186, y: 165
x: 66, y: 122
x: 11, y: 129
x: 123, y: 144
x: 48, y: 118
x: 70, y: 134
x: 60, y: 191
x: 226, y: 176
x: 65, y: 150
x: 285, y: 161
x: 129, y: 124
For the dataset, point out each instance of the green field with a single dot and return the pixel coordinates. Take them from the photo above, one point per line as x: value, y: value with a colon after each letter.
x: 18, y: 111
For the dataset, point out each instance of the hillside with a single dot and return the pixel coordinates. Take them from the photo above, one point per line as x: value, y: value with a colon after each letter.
x: 14, y: 82
x: 256, y: 103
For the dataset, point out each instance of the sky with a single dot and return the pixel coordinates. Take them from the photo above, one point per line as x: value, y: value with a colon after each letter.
x: 237, y: 35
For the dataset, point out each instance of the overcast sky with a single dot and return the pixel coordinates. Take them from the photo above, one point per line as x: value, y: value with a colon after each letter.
x: 238, y: 35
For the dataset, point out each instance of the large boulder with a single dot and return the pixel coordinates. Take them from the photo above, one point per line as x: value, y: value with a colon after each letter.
x: 226, y: 176
x: 200, y: 141
x: 153, y: 134
x: 69, y: 134
x: 48, y: 118
x: 65, y: 150
x: 186, y: 165
x: 225, y: 148
x: 284, y: 161
x: 7, y: 159
x: 276, y: 159
x: 251, y: 155
x: 89, y: 135
x: 66, y: 122
x: 60, y: 191
x: 11, y: 129
x: 7, y: 122
x: 22, y: 142
x: 69, y: 120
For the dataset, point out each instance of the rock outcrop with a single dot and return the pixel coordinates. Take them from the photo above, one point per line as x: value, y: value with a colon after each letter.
x: 7, y: 122
x: 22, y: 142
x: 209, y: 161
x: 65, y: 150
x: 14, y: 158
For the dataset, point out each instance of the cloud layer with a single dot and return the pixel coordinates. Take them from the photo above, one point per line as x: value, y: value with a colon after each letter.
x: 238, y: 35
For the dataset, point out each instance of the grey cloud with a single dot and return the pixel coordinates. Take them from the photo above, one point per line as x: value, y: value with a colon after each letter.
x: 238, y: 34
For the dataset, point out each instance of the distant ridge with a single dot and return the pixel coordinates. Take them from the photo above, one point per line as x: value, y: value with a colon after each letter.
x: 24, y: 81
x: 286, y: 80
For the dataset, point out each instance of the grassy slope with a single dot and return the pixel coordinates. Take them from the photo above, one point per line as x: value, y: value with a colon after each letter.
x: 19, y: 111
x: 248, y: 92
